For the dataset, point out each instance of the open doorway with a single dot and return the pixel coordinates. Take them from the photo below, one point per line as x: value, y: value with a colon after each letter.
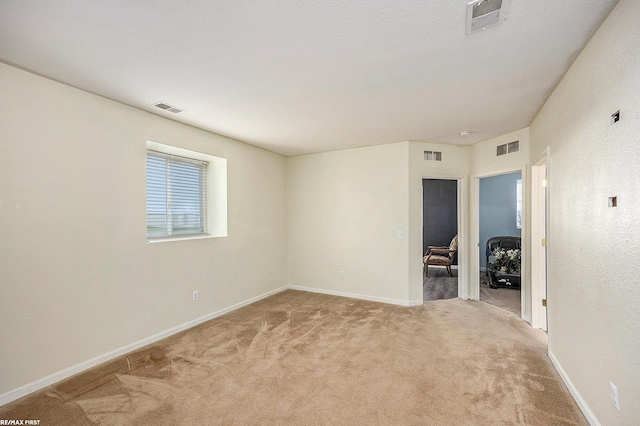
x: 440, y: 229
x: 500, y: 246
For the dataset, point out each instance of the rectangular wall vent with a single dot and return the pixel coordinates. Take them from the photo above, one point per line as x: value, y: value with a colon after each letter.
x: 168, y: 107
x: 508, y: 148
x: 433, y: 156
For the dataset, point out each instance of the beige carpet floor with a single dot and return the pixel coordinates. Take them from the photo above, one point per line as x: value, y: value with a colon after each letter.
x: 300, y: 358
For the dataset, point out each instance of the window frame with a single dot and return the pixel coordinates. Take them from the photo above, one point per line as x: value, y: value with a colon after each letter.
x: 178, y: 183
x: 216, y: 193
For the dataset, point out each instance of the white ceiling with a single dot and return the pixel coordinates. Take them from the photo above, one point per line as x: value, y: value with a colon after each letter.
x: 303, y: 76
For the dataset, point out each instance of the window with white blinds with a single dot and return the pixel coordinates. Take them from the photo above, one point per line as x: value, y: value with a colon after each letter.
x: 176, y: 196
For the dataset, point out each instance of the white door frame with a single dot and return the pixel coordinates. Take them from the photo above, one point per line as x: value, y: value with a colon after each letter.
x: 539, y: 215
x: 463, y: 270
x: 474, y: 278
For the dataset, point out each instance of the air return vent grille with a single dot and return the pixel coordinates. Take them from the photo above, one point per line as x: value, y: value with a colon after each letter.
x: 433, y: 156
x: 168, y: 107
x: 482, y: 14
x: 508, y: 148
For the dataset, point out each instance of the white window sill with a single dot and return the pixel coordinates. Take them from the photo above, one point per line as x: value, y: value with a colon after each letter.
x: 185, y: 237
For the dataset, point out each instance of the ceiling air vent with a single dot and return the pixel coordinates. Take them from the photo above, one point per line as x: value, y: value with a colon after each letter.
x: 168, y: 107
x: 483, y: 14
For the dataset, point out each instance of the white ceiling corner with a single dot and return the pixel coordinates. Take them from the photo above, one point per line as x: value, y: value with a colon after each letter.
x: 299, y: 77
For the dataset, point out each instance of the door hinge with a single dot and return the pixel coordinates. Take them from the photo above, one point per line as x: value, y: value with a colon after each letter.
x: 544, y: 302
x: 545, y: 183
x: 543, y: 242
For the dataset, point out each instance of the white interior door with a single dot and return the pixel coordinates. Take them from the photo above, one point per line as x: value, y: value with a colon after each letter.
x: 539, y: 245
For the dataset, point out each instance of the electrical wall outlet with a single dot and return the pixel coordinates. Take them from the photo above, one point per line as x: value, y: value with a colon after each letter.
x: 195, y: 295
x: 340, y: 274
x: 614, y: 396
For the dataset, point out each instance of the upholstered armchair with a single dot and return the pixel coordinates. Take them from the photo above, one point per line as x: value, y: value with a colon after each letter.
x: 441, y: 256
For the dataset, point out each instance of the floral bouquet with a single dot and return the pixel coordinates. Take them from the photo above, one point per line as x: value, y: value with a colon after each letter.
x: 506, y: 261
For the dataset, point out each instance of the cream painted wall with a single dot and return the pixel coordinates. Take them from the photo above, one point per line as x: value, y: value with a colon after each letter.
x: 340, y: 211
x: 463, y: 163
x: 344, y: 211
x: 77, y: 278
x: 485, y: 162
x: 333, y: 212
x: 593, y: 251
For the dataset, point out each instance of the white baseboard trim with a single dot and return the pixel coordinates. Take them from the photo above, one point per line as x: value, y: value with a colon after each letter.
x: 591, y: 418
x: 357, y: 296
x: 12, y: 395
x: 49, y: 380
